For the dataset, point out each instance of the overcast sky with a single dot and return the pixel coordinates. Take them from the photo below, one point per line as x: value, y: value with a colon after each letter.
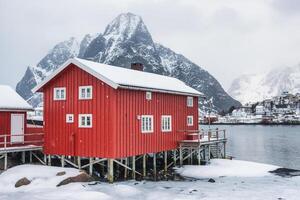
x: 226, y: 37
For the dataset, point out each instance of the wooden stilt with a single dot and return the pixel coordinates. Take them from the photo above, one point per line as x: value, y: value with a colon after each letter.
x: 180, y: 156
x: 144, y: 165
x: 5, y: 161
x: 199, y: 155
x: 110, y: 167
x: 154, y: 166
x: 224, y: 153
x: 208, y: 152
x: 45, y: 159
x: 166, y: 162
x: 174, y: 157
x: 79, y: 162
x: 133, y: 167
x: 30, y: 156
x: 23, y: 157
x: 49, y: 160
x: 191, y: 156
x: 91, y: 166
x: 62, y: 160
x: 126, y: 170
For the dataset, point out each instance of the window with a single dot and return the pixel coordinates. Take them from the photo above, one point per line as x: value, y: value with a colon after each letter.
x: 59, y: 93
x: 85, y: 120
x: 148, y: 95
x: 69, y: 118
x: 166, y: 123
x: 85, y: 92
x: 147, y: 123
x: 190, y: 120
x: 190, y: 101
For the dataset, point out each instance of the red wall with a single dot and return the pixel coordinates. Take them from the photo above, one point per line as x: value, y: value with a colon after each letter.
x: 116, y: 129
x: 130, y: 103
x: 5, y: 118
x: 63, y: 138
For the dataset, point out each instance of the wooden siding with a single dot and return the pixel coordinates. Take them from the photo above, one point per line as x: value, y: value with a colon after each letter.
x: 116, y: 128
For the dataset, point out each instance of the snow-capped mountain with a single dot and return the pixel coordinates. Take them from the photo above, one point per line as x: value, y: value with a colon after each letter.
x: 256, y: 87
x: 126, y: 40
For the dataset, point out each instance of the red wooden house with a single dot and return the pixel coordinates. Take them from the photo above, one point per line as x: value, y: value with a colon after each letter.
x: 98, y: 110
x: 13, y: 116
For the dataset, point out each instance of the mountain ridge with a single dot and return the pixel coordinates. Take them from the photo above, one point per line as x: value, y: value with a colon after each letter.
x: 126, y: 40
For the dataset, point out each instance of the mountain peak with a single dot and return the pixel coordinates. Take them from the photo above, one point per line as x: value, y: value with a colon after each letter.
x: 125, y: 26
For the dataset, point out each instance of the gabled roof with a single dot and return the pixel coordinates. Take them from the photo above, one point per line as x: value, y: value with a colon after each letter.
x: 118, y: 77
x: 11, y: 100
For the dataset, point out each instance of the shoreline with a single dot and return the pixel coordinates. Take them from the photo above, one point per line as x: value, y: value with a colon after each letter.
x: 262, y: 124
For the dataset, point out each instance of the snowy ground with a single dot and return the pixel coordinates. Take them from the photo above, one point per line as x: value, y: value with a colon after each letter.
x: 234, y: 180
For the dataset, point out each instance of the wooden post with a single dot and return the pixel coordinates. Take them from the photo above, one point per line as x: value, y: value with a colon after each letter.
x: 91, y: 166
x: 79, y: 162
x: 126, y: 170
x: 23, y: 157
x: 49, y: 160
x: 110, y: 167
x: 208, y: 152
x: 133, y: 167
x: 199, y: 155
x: 154, y: 166
x: 45, y: 159
x: 174, y: 157
x: 166, y: 162
x: 62, y: 160
x: 144, y: 165
x: 191, y: 156
x: 30, y: 156
x: 224, y: 156
x: 5, y: 161
x: 180, y: 156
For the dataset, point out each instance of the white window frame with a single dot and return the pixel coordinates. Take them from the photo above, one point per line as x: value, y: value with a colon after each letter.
x: 190, y: 101
x: 145, y: 127
x: 166, y: 123
x: 188, y: 121
x: 85, y: 116
x: 85, y: 89
x: 60, y: 89
x: 149, y: 95
x: 68, y: 116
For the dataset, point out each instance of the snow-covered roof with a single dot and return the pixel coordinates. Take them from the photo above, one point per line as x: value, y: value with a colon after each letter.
x: 118, y: 77
x: 11, y: 100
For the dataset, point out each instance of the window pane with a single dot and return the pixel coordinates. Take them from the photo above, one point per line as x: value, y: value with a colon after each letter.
x: 88, y: 121
x: 82, y: 120
x: 57, y: 94
x: 62, y: 94
x: 88, y: 92
x: 83, y: 93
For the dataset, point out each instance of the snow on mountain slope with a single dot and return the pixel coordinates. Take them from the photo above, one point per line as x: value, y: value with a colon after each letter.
x: 256, y: 87
x: 126, y: 40
x: 34, y: 74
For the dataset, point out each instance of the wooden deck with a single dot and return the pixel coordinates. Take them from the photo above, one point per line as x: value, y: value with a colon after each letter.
x: 203, y: 145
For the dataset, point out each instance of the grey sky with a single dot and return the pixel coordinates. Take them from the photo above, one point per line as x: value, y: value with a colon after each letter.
x: 227, y: 38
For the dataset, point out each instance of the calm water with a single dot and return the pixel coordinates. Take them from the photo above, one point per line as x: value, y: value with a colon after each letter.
x: 278, y: 145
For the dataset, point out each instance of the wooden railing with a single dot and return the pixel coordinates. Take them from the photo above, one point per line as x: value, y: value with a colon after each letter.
x: 29, y: 139
x: 211, y: 134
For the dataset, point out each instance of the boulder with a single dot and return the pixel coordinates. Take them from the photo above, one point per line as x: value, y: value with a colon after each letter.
x: 83, y: 177
x: 22, y: 181
x: 61, y: 173
x: 211, y: 180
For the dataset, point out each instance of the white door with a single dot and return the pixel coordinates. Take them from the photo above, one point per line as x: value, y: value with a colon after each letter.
x: 17, y: 128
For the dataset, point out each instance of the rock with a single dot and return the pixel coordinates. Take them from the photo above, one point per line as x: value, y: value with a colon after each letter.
x: 83, y: 177
x: 61, y: 173
x: 211, y: 180
x: 22, y: 181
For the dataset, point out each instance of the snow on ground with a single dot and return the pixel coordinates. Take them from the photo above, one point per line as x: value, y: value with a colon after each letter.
x: 232, y: 168
x: 234, y: 180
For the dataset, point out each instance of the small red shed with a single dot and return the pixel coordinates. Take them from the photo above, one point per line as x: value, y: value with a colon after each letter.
x: 13, y: 116
x: 97, y: 110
